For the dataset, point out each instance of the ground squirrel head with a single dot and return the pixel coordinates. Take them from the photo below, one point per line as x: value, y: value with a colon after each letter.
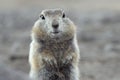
x: 53, y: 25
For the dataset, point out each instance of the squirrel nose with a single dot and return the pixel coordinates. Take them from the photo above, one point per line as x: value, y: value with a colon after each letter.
x: 55, y: 24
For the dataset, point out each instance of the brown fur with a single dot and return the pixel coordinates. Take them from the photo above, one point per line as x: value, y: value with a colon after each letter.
x: 54, y: 59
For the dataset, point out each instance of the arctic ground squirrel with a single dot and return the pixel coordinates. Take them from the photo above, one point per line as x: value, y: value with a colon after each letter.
x: 54, y: 52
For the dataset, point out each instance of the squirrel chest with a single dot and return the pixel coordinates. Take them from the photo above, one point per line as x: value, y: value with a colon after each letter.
x: 58, y: 50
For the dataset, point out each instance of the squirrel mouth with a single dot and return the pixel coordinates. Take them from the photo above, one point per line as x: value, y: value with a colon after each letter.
x: 55, y: 32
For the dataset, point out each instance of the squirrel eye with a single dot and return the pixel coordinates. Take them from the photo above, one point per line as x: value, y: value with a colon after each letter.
x: 63, y: 16
x: 42, y: 17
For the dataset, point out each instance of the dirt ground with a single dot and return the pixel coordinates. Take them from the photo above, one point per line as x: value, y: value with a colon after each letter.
x: 98, y: 30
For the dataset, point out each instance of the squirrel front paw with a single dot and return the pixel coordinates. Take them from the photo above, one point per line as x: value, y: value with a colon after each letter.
x: 49, y: 60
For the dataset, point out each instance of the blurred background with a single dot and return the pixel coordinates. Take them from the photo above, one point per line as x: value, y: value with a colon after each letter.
x: 98, y: 23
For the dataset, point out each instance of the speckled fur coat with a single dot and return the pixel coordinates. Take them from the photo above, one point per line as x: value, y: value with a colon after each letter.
x: 51, y: 59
